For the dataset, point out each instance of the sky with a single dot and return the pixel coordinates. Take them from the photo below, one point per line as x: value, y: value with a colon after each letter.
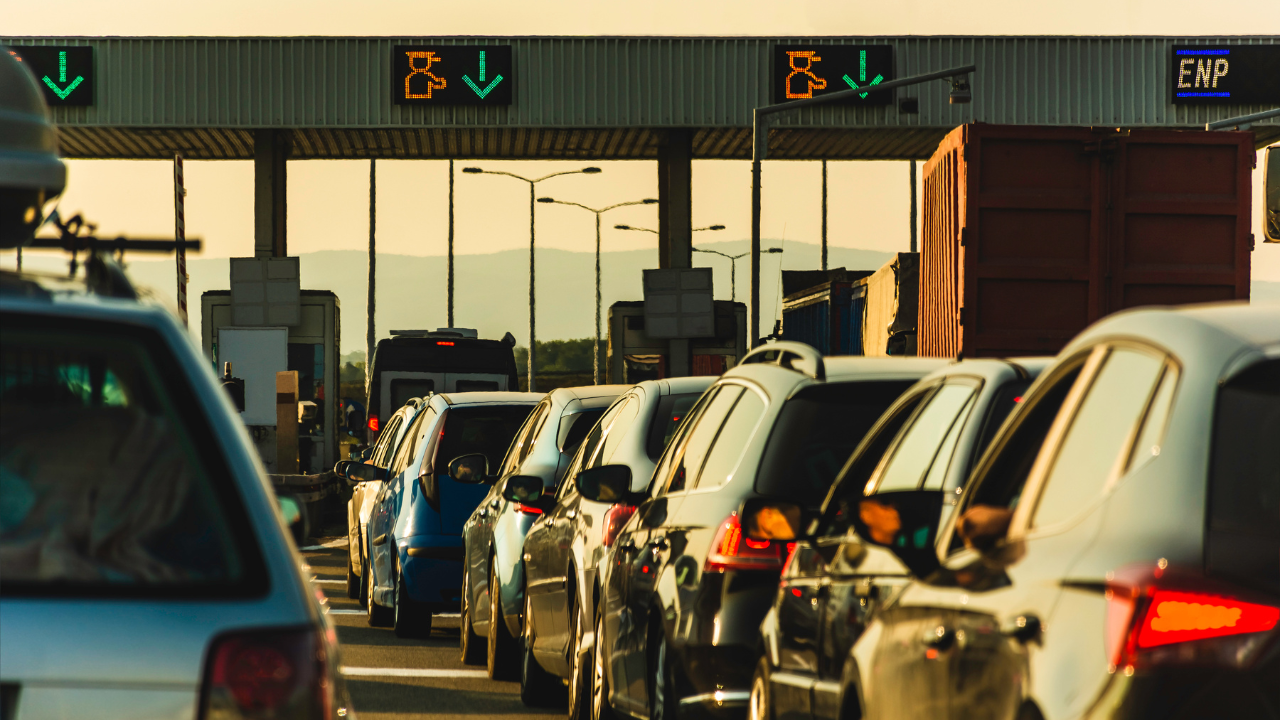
x: 328, y: 199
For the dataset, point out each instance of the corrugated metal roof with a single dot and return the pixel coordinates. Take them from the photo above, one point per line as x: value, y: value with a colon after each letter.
x: 599, y: 97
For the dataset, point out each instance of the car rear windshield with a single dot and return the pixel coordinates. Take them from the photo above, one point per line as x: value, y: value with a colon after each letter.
x: 110, y: 483
x: 486, y: 429
x: 1244, y: 481
x: 815, y: 434
x: 672, y: 410
x: 574, y: 427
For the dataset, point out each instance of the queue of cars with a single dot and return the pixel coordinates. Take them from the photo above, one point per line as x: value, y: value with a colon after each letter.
x: 1089, y: 536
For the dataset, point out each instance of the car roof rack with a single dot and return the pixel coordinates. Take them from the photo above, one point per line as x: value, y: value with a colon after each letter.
x: 804, y: 359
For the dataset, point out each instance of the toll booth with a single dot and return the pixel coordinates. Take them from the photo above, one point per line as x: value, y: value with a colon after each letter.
x: 311, y: 348
x: 633, y: 356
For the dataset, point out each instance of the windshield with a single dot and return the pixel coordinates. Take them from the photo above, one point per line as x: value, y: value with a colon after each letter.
x: 143, y: 505
x: 815, y: 433
x: 486, y: 429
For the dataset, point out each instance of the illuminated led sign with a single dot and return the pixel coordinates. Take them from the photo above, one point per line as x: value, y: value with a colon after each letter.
x: 805, y: 71
x: 65, y: 74
x: 451, y: 74
x: 1226, y: 74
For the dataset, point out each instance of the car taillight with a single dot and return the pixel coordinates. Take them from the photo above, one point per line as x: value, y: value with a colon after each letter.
x: 731, y: 550
x: 268, y: 674
x: 614, y: 519
x: 373, y: 423
x: 1151, y: 626
x: 528, y: 509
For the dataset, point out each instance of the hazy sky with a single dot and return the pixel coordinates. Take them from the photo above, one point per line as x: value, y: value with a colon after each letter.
x: 328, y: 199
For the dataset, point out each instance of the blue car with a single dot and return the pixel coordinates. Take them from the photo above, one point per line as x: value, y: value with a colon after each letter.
x: 415, y: 529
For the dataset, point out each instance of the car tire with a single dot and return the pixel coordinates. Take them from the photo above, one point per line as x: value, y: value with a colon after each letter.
x: 353, y: 580
x: 760, y: 705
x: 378, y: 616
x: 580, y: 668
x: 409, y: 618
x: 600, y: 707
x: 469, y: 646
x: 502, y: 650
x: 663, y: 702
x: 364, y: 587
x: 538, y: 688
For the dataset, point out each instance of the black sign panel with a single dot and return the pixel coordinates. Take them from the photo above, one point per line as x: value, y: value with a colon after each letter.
x: 1226, y: 74
x: 64, y: 73
x: 805, y: 71
x: 451, y: 74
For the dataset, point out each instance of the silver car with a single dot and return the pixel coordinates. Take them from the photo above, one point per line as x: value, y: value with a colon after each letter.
x: 148, y: 572
x: 493, y: 537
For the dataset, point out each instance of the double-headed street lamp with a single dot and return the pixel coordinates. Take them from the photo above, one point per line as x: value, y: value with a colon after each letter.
x: 532, y: 182
x: 733, y: 259
x: 595, y: 349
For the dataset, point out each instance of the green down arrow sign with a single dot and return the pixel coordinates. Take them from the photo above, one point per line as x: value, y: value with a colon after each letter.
x: 62, y: 78
x: 476, y: 87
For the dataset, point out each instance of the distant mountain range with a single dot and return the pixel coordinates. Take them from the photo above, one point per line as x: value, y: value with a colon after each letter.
x: 492, y: 291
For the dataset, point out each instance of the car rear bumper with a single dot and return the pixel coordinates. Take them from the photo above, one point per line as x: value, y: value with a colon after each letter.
x: 1193, y: 694
x: 431, y: 566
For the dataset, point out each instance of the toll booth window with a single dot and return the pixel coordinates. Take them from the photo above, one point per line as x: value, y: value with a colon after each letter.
x: 477, y: 385
x: 135, y: 510
x: 402, y: 391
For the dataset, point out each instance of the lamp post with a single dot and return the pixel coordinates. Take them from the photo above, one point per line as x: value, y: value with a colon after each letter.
x: 960, y: 94
x: 533, y: 338
x: 595, y: 349
x: 733, y: 267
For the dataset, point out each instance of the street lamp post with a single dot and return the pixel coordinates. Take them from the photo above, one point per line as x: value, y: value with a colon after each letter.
x: 532, y: 183
x: 733, y: 267
x: 595, y: 349
x: 960, y: 94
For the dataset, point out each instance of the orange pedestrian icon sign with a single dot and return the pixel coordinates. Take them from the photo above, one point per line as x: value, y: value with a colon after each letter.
x: 417, y: 68
x: 802, y: 81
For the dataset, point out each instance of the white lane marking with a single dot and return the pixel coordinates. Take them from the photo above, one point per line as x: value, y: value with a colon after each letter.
x: 340, y: 542
x: 414, y: 672
x: 346, y: 612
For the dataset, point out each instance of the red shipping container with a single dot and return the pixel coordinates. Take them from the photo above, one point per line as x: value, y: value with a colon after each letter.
x: 1031, y: 233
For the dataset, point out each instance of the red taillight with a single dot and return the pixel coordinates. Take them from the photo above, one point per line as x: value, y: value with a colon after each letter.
x: 732, y: 551
x: 447, y: 343
x: 373, y: 423
x: 276, y: 673
x: 528, y: 509
x: 614, y: 519
x: 1152, y: 626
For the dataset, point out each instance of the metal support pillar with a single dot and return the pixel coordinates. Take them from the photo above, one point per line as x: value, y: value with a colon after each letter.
x: 675, y: 225
x: 450, y: 313
x: 824, y: 213
x: 371, y: 338
x: 913, y: 206
x: 270, y: 153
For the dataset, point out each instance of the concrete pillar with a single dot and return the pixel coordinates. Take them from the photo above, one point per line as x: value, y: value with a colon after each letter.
x: 675, y: 224
x: 270, y: 151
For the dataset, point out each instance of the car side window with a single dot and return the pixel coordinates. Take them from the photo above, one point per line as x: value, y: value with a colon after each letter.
x: 569, y: 487
x: 524, y: 438
x: 734, y: 435
x: 383, y: 448
x: 1090, y: 452
x: 671, y: 452
x: 698, y: 441
x: 624, y: 418
x: 1151, y: 436
x: 850, y: 485
x: 928, y: 441
x: 409, y: 446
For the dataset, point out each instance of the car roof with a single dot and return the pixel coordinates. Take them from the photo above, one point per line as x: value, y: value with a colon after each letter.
x: 1182, y: 329
x: 993, y: 369
x: 680, y: 385
x: 454, y: 399
x: 586, y: 392
x: 842, y: 368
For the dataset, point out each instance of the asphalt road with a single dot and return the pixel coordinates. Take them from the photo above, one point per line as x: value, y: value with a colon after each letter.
x: 389, y: 677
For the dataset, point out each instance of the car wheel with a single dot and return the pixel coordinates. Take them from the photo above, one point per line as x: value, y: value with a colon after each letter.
x: 353, y: 580
x: 580, y: 668
x: 600, y: 707
x: 538, y: 688
x: 662, y: 692
x: 411, y: 619
x: 378, y: 615
x: 469, y: 642
x: 502, y: 649
x: 364, y: 587
x: 760, y: 706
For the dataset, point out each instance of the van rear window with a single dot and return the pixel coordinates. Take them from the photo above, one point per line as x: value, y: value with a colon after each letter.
x: 1244, y: 480
x: 109, y: 484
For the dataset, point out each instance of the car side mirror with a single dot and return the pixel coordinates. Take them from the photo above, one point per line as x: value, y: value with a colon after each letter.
x: 340, y: 469
x: 472, y: 469
x: 904, y: 522
x: 608, y: 484
x: 769, y: 519
x: 363, y: 472
x: 522, y: 489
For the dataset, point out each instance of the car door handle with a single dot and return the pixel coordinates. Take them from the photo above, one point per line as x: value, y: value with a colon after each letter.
x: 1023, y: 628
x: 380, y: 540
x: 940, y: 638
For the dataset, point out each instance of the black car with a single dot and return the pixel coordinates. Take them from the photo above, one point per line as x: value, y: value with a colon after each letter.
x: 1117, y: 552
x: 928, y: 440
x: 684, y: 589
